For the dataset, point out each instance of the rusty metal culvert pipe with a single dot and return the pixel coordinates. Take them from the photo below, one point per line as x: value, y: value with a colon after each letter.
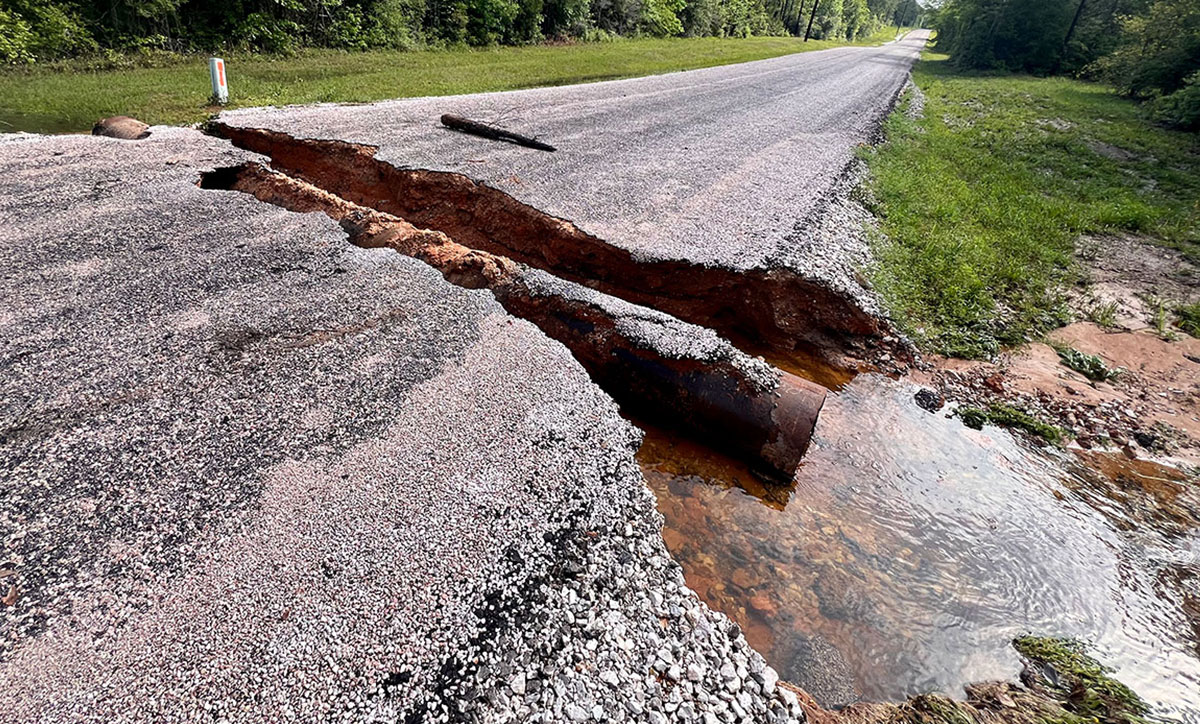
x: 675, y: 374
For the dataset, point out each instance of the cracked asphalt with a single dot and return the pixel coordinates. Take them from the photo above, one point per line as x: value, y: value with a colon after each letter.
x: 236, y: 448
x: 249, y: 472
x: 722, y: 166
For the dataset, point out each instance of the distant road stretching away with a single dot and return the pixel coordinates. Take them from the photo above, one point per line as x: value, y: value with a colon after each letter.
x: 716, y: 166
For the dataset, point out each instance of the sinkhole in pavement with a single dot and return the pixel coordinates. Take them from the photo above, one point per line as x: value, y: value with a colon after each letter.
x: 770, y: 309
x: 656, y: 366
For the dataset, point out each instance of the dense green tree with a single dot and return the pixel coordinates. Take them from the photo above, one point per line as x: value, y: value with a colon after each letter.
x: 1148, y: 49
x: 565, y: 18
x: 36, y: 30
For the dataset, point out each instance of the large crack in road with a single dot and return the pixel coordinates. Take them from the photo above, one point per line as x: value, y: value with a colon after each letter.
x: 774, y: 309
x: 670, y: 372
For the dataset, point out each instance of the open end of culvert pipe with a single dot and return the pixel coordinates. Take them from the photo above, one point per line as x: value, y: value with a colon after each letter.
x: 795, y: 418
x: 646, y: 359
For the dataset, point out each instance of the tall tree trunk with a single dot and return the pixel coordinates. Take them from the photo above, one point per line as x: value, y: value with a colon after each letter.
x: 812, y: 16
x: 1067, y: 40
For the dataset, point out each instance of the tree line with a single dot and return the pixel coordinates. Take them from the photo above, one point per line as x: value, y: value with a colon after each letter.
x: 38, y: 30
x: 1147, y: 49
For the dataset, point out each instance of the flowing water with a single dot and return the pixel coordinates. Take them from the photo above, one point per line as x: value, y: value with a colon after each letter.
x: 911, y: 550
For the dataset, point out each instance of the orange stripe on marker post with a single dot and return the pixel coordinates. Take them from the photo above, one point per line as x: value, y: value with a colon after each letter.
x: 216, y: 73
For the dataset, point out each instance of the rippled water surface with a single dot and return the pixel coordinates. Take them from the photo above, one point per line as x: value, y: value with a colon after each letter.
x: 911, y: 550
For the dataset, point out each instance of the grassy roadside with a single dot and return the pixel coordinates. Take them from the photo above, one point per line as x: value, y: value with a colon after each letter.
x: 982, y: 199
x: 70, y: 97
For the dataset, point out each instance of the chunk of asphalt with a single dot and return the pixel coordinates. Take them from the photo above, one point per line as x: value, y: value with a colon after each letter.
x: 249, y: 472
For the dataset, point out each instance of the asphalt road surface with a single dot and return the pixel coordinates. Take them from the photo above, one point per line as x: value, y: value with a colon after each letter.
x: 249, y: 472
x: 722, y: 166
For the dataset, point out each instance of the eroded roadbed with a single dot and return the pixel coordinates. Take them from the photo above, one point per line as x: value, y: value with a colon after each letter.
x: 237, y: 448
x: 683, y: 376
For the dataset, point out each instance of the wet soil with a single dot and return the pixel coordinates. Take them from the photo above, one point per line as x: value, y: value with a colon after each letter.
x: 911, y: 550
x: 1151, y: 409
x: 1134, y: 275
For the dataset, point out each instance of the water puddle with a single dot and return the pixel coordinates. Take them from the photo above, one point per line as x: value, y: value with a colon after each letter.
x: 911, y: 550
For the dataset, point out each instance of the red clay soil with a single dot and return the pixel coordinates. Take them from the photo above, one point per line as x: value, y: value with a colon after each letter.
x: 1151, y: 408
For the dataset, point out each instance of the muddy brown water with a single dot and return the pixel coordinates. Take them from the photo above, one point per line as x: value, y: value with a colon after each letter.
x: 911, y: 550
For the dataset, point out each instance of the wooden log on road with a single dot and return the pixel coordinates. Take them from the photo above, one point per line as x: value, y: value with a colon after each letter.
x: 466, y: 125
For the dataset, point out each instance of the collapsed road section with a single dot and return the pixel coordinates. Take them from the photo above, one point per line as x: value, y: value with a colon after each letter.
x: 671, y: 372
x: 251, y: 472
x: 771, y: 308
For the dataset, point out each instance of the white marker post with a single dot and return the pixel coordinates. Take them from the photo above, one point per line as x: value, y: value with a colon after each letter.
x: 216, y: 71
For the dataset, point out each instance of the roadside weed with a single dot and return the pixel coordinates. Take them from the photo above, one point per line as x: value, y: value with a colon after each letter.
x: 1104, y: 315
x: 981, y: 201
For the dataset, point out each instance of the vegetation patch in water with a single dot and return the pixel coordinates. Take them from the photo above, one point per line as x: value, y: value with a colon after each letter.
x: 1090, y: 694
x: 1060, y: 684
x: 1010, y: 417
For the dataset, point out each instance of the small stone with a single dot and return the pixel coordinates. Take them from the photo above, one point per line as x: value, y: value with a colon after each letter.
x: 124, y: 127
x: 769, y: 679
x: 694, y: 672
x: 789, y: 698
x: 575, y: 712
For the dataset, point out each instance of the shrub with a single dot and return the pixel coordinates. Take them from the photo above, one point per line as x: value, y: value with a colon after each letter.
x: 1088, y: 365
x: 661, y: 17
x: 32, y: 30
x: 1181, y: 108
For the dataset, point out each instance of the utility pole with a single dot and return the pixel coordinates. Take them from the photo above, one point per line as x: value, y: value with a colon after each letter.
x: 811, y: 17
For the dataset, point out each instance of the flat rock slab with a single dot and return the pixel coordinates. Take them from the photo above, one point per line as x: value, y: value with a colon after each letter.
x: 722, y: 166
x: 246, y: 469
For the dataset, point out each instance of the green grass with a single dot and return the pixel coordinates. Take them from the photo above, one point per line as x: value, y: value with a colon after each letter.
x: 72, y: 96
x: 983, y: 198
x: 1104, y: 315
x: 1187, y: 318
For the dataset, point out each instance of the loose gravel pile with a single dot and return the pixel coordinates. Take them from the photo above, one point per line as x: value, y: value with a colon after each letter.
x: 608, y: 631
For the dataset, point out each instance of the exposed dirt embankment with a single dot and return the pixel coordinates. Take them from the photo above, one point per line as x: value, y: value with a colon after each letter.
x: 772, y: 308
x: 653, y: 365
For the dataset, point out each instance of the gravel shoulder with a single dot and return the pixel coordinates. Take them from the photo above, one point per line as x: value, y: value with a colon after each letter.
x: 251, y: 472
